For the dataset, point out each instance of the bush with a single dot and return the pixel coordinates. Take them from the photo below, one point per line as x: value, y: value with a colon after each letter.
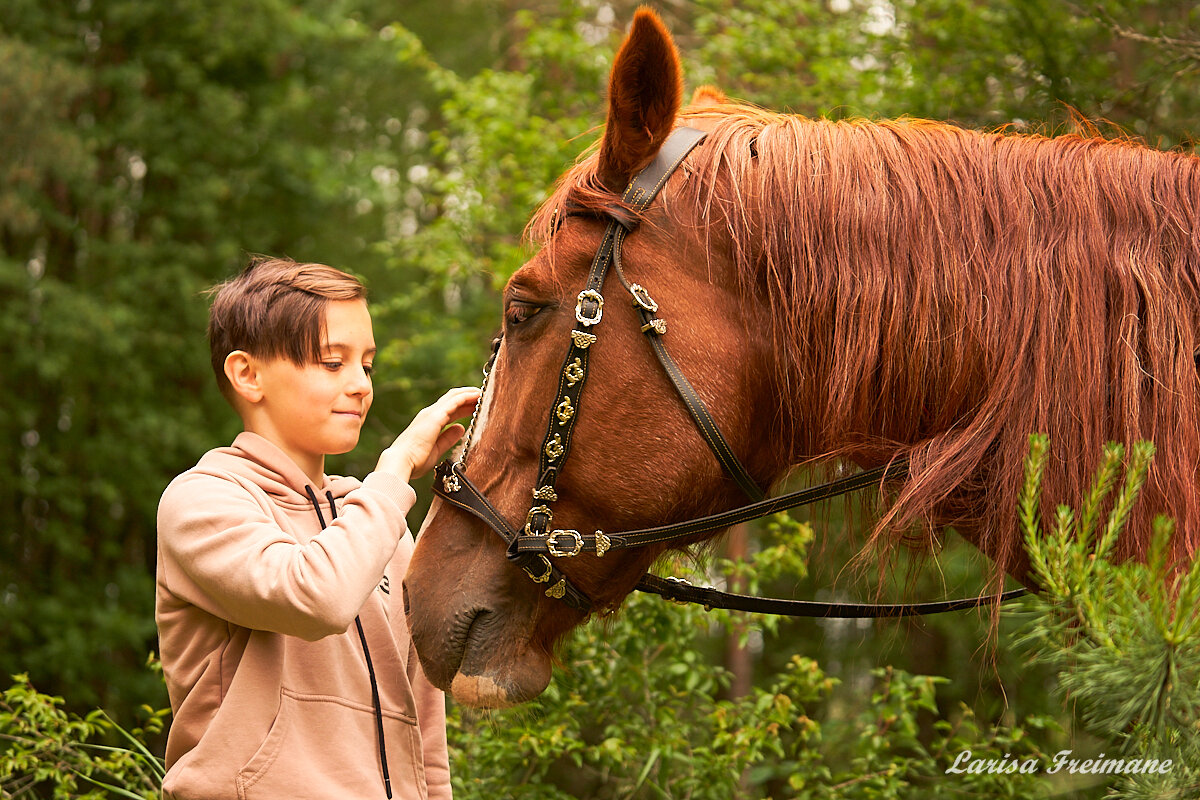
x: 49, y: 752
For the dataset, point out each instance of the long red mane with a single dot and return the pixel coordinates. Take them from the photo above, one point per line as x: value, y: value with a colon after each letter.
x: 942, y: 293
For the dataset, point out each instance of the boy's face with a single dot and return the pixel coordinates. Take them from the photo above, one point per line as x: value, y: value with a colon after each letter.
x: 315, y: 410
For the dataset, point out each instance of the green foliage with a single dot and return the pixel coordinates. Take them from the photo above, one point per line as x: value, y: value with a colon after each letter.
x: 1021, y: 63
x: 500, y: 139
x: 1123, y: 637
x: 50, y: 752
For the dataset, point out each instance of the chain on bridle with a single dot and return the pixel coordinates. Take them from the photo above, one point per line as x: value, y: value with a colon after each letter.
x: 532, y: 546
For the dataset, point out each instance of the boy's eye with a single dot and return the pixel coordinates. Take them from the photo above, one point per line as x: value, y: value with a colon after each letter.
x: 519, y: 311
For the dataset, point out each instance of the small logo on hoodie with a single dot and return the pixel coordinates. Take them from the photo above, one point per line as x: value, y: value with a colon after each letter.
x: 386, y: 585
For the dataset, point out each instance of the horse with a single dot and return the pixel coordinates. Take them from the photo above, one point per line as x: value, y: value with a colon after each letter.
x: 842, y: 293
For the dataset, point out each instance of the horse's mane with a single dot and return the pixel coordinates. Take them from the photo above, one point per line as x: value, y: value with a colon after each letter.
x: 941, y: 293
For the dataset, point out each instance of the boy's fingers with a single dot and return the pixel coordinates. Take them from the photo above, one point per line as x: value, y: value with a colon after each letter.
x: 445, y: 440
x: 448, y: 437
x: 464, y: 397
x: 452, y: 405
x: 431, y: 433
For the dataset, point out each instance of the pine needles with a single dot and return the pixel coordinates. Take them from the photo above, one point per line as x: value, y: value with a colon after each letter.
x: 1123, y: 637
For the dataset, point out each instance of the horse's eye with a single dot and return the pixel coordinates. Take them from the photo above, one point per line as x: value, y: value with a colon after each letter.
x: 519, y: 311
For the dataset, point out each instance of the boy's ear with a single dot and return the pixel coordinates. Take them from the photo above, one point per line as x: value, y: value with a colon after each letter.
x: 241, y: 369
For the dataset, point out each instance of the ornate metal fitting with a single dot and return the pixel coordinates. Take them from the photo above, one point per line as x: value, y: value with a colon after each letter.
x: 571, y: 550
x: 597, y: 298
x: 642, y: 298
x: 451, y: 483
x: 582, y: 339
x: 545, y: 576
x: 532, y: 513
x: 659, y: 326
x: 682, y: 582
x: 546, y: 493
x: 574, y: 372
x: 565, y: 411
x: 603, y: 543
x: 557, y: 590
x: 554, y: 447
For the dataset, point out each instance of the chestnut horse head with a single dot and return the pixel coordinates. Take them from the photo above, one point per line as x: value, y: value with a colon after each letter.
x: 835, y: 292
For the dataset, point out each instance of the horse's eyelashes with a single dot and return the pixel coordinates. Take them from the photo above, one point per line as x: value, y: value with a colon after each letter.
x: 518, y: 312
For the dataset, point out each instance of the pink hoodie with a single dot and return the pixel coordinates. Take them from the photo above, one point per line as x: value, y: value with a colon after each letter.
x: 259, y: 611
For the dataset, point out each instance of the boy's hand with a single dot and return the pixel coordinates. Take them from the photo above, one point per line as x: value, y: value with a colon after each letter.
x: 423, y: 442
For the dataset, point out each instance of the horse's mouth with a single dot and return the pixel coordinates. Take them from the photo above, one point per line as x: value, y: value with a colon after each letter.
x: 479, y: 662
x: 497, y: 669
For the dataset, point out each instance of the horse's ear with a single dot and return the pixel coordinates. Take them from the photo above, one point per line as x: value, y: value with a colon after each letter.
x: 645, y: 89
x: 708, y: 96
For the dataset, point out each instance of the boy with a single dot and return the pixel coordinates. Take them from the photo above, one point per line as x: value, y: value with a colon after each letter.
x: 287, y: 658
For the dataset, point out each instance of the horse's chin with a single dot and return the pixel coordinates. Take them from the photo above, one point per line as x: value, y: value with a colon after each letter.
x: 499, y: 691
x: 485, y: 681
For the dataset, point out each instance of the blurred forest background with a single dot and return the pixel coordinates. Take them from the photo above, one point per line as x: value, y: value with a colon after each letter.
x: 147, y: 147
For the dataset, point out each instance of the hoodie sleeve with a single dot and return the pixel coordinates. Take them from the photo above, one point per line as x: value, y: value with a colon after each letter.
x: 226, y: 553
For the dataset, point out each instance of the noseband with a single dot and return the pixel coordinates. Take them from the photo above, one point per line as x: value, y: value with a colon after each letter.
x: 532, y: 547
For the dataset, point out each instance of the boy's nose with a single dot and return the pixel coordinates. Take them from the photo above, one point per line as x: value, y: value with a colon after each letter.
x: 360, y: 382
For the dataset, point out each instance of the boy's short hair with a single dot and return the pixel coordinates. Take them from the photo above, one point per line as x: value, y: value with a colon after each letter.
x: 275, y: 308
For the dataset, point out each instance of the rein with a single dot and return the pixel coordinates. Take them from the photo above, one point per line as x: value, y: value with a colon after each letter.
x: 532, y: 546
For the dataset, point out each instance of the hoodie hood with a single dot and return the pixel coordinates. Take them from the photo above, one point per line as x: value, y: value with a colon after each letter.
x: 260, y: 461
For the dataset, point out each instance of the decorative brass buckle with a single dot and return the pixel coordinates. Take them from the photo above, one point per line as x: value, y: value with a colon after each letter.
x: 589, y: 294
x: 576, y: 544
x: 545, y: 576
x: 537, y: 510
x: 642, y: 298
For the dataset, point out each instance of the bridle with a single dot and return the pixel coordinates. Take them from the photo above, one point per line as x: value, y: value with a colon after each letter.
x: 533, y: 546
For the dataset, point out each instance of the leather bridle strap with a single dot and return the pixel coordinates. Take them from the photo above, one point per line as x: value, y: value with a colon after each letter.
x: 589, y: 311
x: 455, y: 488
x: 679, y: 591
x: 468, y: 497
x: 599, y: 542
x: 655, y: 328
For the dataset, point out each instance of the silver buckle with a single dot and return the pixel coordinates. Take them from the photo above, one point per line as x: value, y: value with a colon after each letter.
x: 576, y: 544
x: 642, y: 298
x: 681, y: 582
x: 589, y: 294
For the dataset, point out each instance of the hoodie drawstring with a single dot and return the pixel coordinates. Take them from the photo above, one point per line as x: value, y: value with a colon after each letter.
x: 362, y: 637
